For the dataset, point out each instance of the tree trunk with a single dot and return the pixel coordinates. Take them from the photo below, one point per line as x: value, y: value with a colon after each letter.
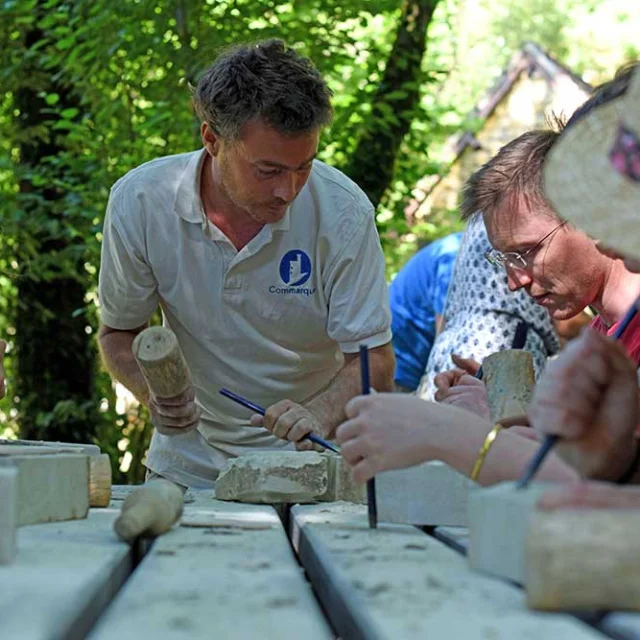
x: 55, y: 355
x: 394, y: 102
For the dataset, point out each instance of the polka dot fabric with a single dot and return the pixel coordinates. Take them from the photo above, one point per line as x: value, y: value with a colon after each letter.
x: 481, y: 314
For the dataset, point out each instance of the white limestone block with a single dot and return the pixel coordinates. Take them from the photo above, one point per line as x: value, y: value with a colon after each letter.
x: 274, y: 477
x: 584, y: 560
x: 498, y: 524
x: 8, y: 513
x: 99, y: 463
x: 51, y: 487
x: 342, y: 486
x: 60, y: 447
x: 428, y: 494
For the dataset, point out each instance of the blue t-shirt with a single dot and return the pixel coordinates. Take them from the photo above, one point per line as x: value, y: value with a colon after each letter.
x: 417, y: 294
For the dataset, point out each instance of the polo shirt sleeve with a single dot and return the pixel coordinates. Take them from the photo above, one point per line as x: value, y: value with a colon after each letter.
x: 127, y: 289
x: 357, y: 290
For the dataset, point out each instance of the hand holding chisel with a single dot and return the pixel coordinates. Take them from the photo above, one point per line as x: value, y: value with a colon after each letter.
x: 589, y: 395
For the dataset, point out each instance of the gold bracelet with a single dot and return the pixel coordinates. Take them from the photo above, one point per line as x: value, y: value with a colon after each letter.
x: 488, y: 443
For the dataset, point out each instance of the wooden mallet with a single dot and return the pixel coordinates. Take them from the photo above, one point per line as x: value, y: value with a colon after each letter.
x: 161, y: 362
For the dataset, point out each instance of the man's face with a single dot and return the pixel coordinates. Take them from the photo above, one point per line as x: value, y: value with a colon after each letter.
x: 564, y: 273
x: 263, y: 171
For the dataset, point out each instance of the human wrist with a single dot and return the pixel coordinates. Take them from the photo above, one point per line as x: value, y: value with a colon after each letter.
x: 455, y: 433
x: 434, y: 442
x: 484, y: 450
x: 424, y: 446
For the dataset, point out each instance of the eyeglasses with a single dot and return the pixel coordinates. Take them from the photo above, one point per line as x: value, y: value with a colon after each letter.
x: 513, y: 259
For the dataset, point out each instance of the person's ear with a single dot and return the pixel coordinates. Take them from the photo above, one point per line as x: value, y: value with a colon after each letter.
x: 210, y: 139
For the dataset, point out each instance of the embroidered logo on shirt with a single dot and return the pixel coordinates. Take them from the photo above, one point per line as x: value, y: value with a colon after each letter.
x: 295, y: 268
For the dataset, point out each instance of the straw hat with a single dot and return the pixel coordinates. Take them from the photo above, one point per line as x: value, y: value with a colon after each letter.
x: 592, y: 173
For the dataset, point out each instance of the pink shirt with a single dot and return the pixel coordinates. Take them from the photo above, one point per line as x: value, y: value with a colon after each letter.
x: 630, y: 338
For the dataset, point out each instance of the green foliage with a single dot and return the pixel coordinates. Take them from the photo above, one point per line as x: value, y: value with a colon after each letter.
x: 112, y: 85
x: 395, y: 104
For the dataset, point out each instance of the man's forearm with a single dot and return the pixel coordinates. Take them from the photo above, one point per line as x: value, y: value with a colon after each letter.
x: 117, y: 357
x: 328, y: 406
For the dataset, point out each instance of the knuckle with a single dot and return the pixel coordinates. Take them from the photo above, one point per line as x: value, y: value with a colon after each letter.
x: 280, y: 429
x: 271, y: 417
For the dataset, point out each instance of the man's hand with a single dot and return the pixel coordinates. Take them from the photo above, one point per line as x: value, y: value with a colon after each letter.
x: 3, y: 348
x: 589, y: 397
x: 590, y: 495
x: 291, y: 421
x: 176, y: 415
x: 459, y: 388
x: 384, y: 431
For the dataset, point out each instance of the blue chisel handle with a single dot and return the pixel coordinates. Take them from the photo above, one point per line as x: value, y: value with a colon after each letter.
x: 372, y: 505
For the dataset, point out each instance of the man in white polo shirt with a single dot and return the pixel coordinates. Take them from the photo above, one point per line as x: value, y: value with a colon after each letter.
x: 266, y: 264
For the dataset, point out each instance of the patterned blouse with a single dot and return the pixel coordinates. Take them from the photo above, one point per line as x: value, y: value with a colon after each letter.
x: 481, y: 314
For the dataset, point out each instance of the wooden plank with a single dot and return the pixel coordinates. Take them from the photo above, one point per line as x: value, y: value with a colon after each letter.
x: 230, y: 574
x: 63, y: 577
x: 395, y: 582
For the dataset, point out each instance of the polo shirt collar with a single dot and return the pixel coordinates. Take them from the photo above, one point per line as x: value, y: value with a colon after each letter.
x: 187, y: 203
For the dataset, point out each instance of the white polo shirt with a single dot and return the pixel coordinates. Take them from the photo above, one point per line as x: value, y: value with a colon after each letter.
x: 269, y: 322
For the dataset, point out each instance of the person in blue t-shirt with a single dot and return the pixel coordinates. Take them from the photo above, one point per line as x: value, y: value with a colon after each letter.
x: 417, y: 296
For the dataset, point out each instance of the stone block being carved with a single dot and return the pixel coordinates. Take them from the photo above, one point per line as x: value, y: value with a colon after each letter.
x: 341, y: 483
x: 274, y: 477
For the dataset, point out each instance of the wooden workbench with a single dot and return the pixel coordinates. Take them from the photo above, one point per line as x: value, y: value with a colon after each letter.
x: 234, y: 571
